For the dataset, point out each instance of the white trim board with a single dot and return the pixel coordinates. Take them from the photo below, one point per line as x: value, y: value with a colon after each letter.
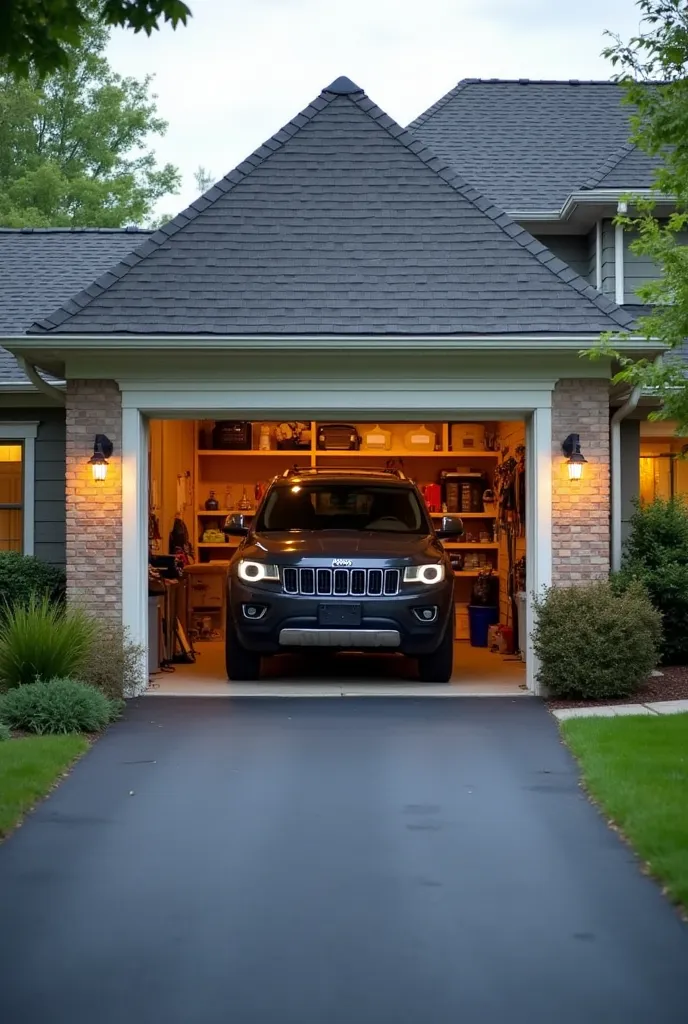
x: 26, y: 432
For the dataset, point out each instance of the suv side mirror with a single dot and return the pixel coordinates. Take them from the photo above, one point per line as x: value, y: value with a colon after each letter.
x: 452, y: 526
x: 236, y: 525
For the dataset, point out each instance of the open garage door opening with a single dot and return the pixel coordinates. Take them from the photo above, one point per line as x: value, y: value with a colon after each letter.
x: 350, y: 555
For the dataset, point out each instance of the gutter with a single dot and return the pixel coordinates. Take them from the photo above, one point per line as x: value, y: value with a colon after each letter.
x: 621, y: 414
x: 41, y: 385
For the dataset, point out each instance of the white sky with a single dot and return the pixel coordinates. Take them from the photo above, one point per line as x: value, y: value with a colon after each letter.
x: 243, y: 68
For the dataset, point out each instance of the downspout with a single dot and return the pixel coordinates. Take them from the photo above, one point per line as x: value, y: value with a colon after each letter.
x: 615, y: 469
x: 52, y: 392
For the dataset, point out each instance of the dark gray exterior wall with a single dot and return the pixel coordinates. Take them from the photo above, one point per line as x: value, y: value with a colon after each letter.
x: 572, y: 249
x: 640, y: 269
x: 608, y: 265
x: 49, y: 493
x: 630, y: 472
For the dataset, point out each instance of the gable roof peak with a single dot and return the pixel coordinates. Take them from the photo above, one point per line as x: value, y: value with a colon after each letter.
x: 342, y: 86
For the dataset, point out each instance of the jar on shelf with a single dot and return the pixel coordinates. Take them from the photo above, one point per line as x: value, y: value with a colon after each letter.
x: 211, y: 503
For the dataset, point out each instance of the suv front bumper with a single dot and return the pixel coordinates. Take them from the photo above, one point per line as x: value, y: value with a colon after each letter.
x: 386, y: 623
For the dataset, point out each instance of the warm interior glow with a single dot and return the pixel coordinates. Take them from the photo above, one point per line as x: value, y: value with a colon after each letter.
x: 99, y: 470
x: 575, y: 470
x: 10, y: 453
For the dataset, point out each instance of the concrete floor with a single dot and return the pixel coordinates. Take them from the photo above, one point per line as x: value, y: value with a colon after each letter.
x: 477, y: 673
x: 312, y: 862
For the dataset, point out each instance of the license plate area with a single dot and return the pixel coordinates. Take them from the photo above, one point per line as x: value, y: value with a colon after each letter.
x: 344, y: 615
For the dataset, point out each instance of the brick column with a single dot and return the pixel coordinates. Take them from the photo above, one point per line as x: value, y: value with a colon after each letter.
x: 94, y: 510
x: 580, y: 509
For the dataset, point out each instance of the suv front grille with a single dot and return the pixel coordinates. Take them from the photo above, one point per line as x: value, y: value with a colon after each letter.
x: 341, y: 582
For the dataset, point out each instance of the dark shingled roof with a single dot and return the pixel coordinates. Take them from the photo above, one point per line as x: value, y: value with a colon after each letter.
x: 42, y: 267
x: 342, y: 223
x: 529, y: 144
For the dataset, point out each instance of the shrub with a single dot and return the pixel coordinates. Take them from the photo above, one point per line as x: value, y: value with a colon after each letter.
x: 5, y: 733
x: 593, y: 643
x: 56, y: 706
x: 42, y: 640
x: 113, y: 663
x: 656, y: 555
x: 23, y: 577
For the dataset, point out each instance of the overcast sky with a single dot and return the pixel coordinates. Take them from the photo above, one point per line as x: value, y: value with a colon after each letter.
x: 242, y: 68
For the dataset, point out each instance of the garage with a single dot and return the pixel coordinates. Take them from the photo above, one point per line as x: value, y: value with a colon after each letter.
x: 341, y: 275
x: 205, y: 474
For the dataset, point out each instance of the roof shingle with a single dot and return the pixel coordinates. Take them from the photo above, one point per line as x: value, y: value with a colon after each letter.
x: 342, y: 223
x: 529, y: 144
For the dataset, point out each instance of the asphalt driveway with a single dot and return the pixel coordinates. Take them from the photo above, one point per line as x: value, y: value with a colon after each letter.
x: 331, y: 862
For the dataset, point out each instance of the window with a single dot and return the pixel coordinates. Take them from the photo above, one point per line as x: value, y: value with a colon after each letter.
x: 343, y: 506
x: 17, y: 442
x: 11, y: 497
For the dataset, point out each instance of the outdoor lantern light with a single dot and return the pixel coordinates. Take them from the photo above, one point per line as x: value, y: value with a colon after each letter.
x: 102, y: 450
x: 575, y: 459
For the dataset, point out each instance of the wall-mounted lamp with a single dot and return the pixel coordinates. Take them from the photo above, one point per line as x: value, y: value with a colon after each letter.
x: 575, y: 458
x: 102, y: 450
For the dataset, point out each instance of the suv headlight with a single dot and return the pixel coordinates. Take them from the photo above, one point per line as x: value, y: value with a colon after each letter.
x: 254, y: 572
x: 424, y: 573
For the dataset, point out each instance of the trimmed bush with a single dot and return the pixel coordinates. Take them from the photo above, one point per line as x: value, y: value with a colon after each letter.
x: 42, y: 640
x: 113, y: 663
x: 23, y: 577
x: 656, y: 555
x: 56, y: 706
x: 5, y: 733
x: 593, y: 643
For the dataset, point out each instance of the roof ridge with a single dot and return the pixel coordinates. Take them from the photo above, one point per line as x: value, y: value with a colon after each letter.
x: 446, y: 171
x: 168, y: 230
x: 611, y: 161
x: 130, y: 229
x: 427, y: 114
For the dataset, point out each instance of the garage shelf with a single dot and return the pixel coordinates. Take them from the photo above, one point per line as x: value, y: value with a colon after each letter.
x: 467, y: 546
x: 404, y: 453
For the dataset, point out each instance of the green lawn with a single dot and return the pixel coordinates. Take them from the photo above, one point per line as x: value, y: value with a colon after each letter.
x: 29, y: 767
x: 637, y: 770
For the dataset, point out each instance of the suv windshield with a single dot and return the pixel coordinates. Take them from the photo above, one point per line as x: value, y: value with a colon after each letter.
x: 343, y: 506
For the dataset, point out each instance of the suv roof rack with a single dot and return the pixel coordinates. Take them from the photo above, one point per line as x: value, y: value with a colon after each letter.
x: 367, y: 471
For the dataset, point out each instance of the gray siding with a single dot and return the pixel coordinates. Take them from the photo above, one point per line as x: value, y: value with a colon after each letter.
x: 591, y: 245
x: 630, y: 472
x: 608, y: 272
x: 49, y: 494
x: 572, y: 249
x: 639, y: 270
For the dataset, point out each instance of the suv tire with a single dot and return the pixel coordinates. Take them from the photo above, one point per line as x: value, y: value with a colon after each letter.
x: 437, y: 667
x: 242, y: 665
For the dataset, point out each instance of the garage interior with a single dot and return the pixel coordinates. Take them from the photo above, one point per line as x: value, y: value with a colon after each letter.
x: 200, y: 471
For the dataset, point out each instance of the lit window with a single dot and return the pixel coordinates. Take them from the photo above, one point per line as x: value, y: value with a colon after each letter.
x: 11, y: 497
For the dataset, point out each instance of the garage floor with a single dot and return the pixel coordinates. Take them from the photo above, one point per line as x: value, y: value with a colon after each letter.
x: 477, y: 673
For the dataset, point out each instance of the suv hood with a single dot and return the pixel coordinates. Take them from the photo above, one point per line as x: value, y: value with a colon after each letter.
x: 319, y: 546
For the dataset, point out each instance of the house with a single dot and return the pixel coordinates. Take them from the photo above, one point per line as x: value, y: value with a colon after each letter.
x: 354, y: 271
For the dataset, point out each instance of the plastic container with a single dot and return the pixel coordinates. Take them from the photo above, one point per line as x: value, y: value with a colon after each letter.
x: 480, y: 618
x: 466, y: 436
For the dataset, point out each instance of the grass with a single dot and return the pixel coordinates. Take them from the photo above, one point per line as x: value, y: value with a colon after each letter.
x: 29, y: 768
x: 636, y: 768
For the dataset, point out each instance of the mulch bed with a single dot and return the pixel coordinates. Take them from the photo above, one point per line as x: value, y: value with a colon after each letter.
x: 672, y: 685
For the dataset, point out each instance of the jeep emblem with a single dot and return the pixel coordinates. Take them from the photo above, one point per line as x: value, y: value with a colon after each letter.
x: 341, y: 561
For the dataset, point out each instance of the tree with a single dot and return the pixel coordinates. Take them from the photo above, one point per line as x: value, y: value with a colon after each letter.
x: 653, y: 68
x: 73, y: 145
x: 39, y: 34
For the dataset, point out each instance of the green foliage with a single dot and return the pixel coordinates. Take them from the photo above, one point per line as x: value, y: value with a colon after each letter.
x: 23, y: 577
x: 73, y: 146
x: 656, y: 555
x: 113, y: 664
x: 653, y: 68
x: 57, y: 706
x: 593, y: 643
x: 5, y: 733
x: 42, y: 639
x: 40, y: 33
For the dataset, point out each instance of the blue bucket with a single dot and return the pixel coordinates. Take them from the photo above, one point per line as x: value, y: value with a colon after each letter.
x: 480, y: 618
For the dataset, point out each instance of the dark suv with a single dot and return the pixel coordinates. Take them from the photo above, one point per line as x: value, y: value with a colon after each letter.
x: 341, y: 560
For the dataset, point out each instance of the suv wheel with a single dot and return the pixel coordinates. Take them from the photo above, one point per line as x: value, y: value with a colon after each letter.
x: 437, y: 667
x: 242, y: 665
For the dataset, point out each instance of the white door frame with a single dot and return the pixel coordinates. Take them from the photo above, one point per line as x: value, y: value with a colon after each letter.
x: 437, y: 402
